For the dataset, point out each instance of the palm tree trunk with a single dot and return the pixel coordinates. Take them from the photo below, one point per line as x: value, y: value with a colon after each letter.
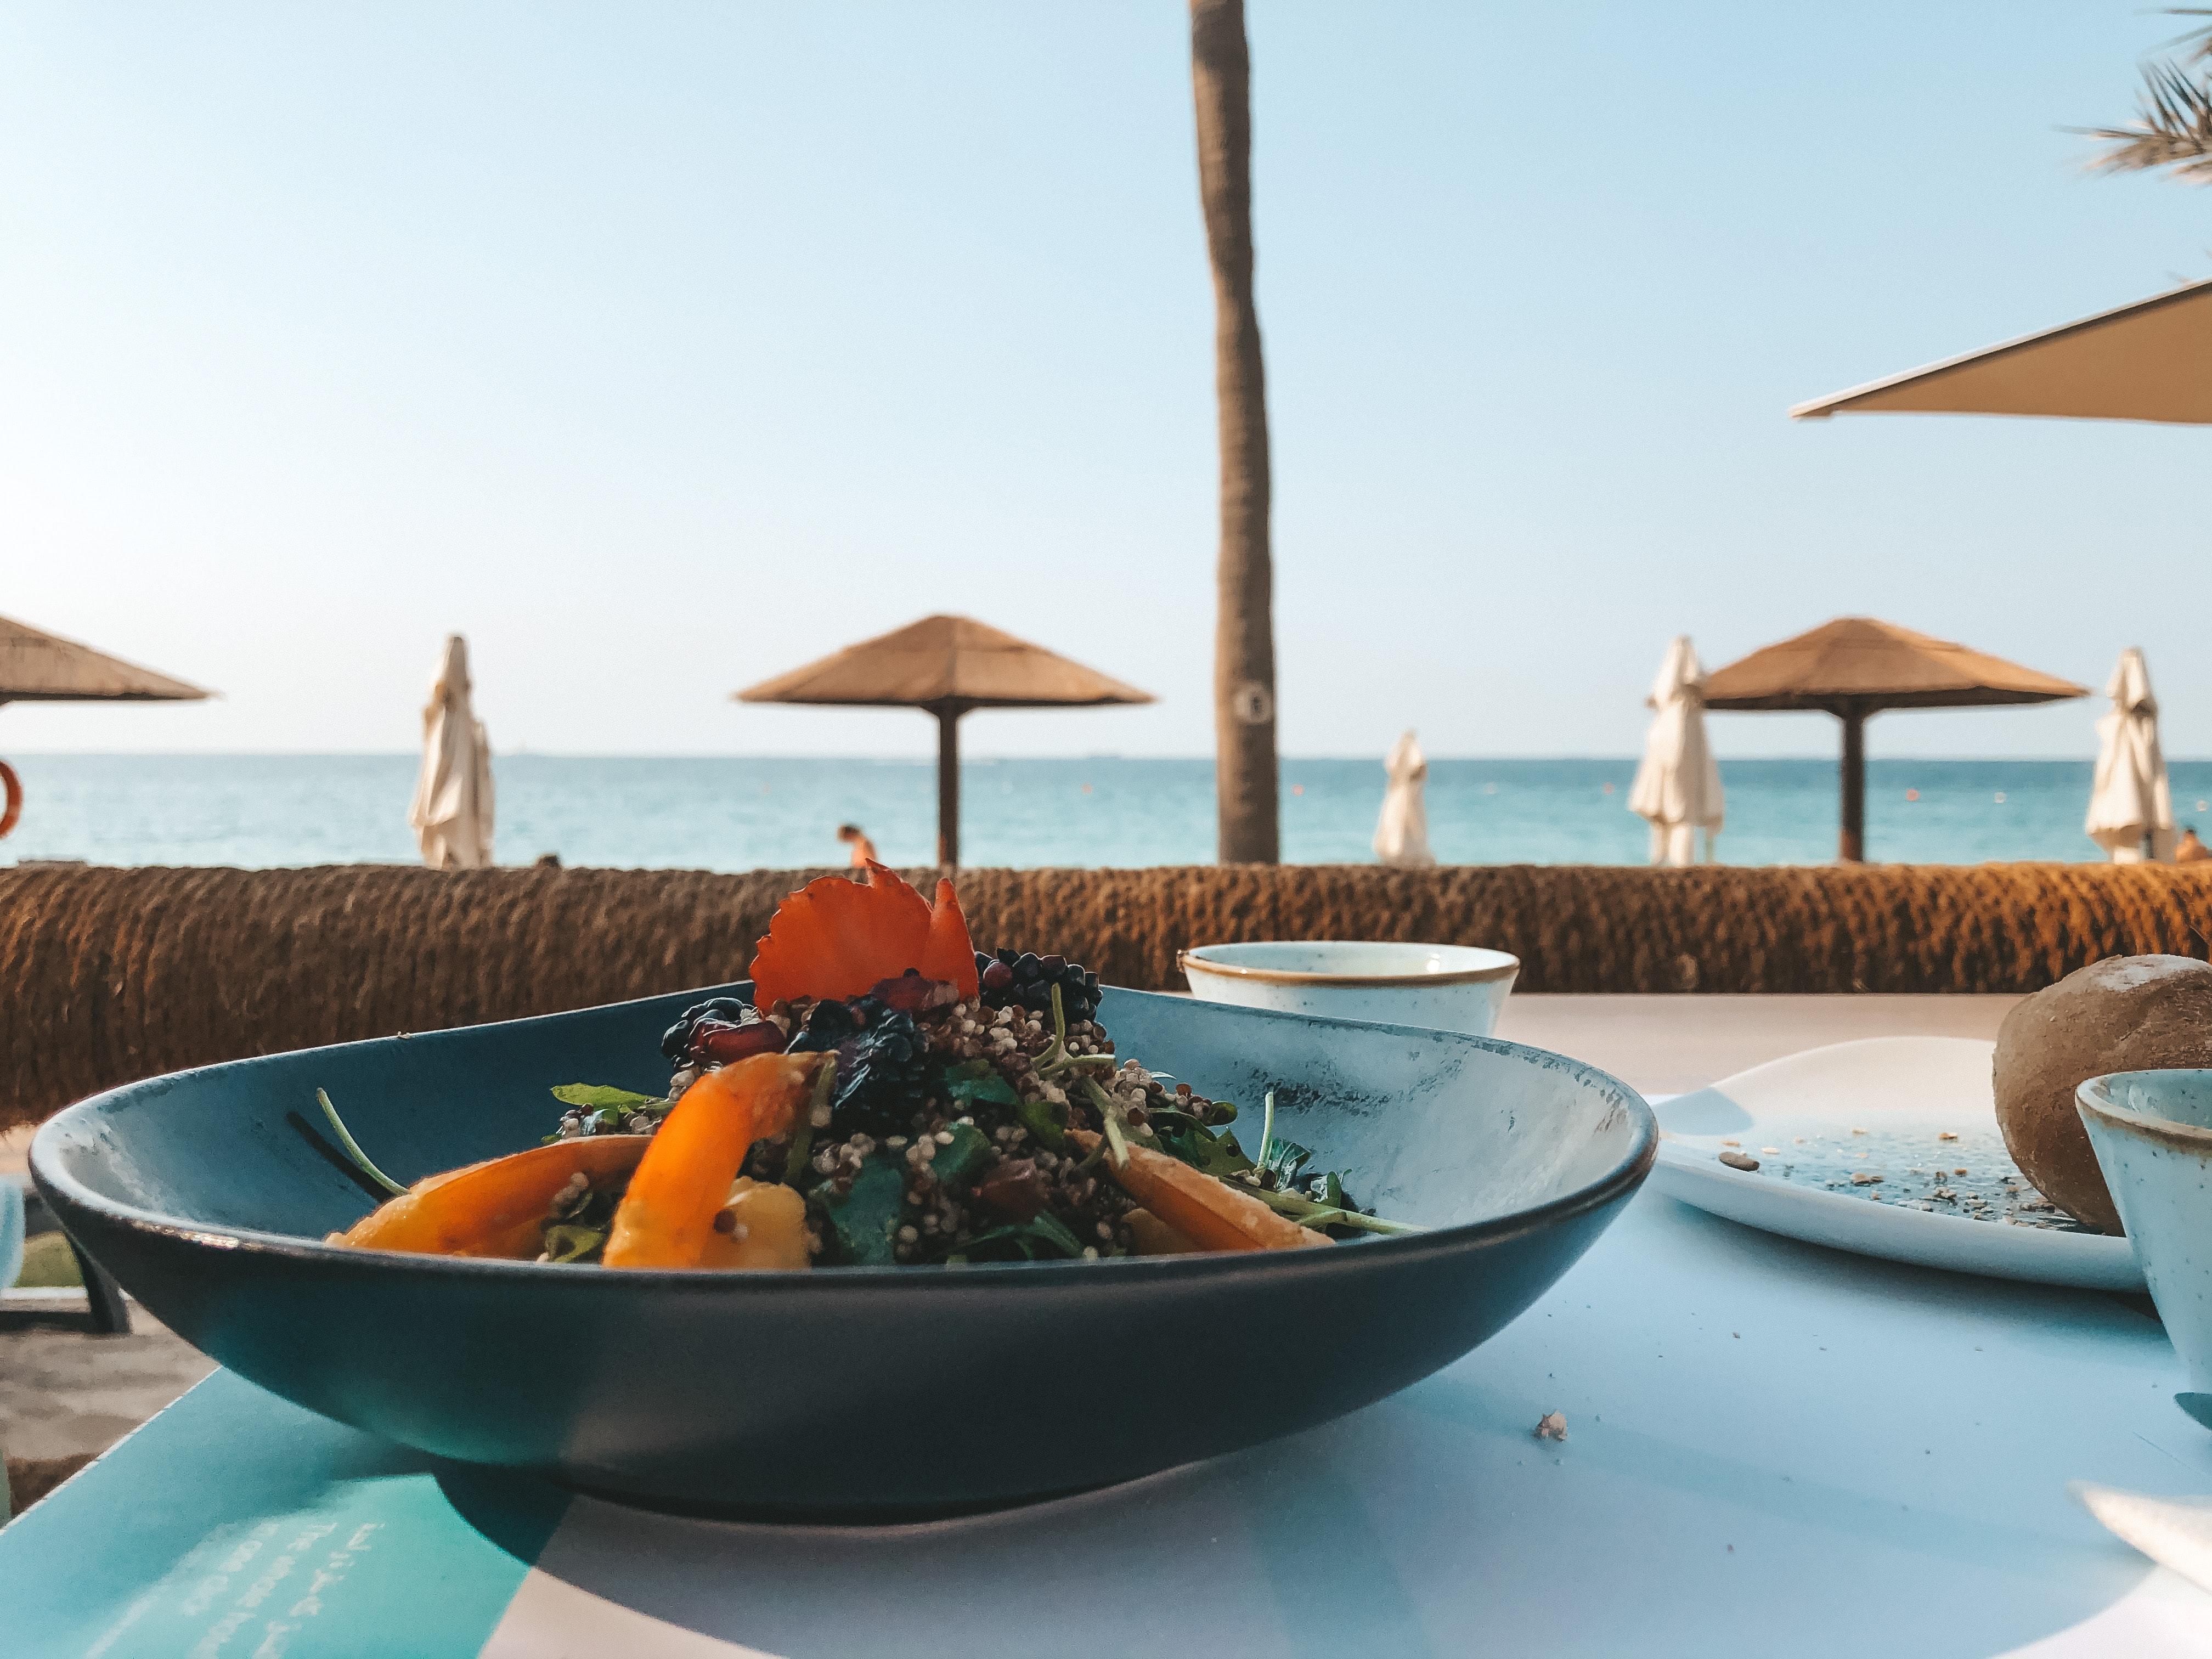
x: 1244, y: 630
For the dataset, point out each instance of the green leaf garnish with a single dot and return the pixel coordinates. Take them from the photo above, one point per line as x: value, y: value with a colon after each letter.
x: 1056, y: 1058
x: 1027, y: 1237
x: 568, y: 1242
x: 598, y: 1096
x: 1284, y: 1161
x: 1218, y: 1155
x: 353, y: 1149
x: 1050, y: 1226
x: 1301, y: 1208
x: 962, y: 1083
x: 1044, y: 1119
x: 1118, y: 1130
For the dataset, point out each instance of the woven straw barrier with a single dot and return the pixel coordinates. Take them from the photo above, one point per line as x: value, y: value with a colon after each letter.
x: 115, y: 973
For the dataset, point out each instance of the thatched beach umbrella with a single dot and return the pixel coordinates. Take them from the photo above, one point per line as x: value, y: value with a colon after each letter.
x: 2151, y: 360
x: 40, y: 667
x: 945, y: 666
x: 1856, y: 666
x: 36, y: 666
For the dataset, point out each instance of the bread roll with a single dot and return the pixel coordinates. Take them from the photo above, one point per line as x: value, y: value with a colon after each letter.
x: 2123, y: 1014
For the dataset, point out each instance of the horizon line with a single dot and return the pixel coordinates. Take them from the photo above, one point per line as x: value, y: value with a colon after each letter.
x: 996, y: 760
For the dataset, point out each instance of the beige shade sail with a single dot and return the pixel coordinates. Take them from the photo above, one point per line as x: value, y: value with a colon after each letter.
x: 36, y: 666
x: 2151, y: 360
x: 947, y: 666
x: 1856, y: 667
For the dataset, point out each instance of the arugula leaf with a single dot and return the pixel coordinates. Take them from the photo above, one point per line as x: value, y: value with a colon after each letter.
x: 1047, y: 1121
x: 1322, y: 1205
x: 1303, y: 1209
x: 1118, y: 1130
x: 599, y: 1095
x: 1028, y: 1237
x: 1284, y: 1160
x: 1050, y: 1226
x: 572, y: 1243
x: 975, y: 1080
x: 1183, y: 1136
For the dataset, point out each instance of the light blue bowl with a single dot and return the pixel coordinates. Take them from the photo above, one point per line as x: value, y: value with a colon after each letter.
x: 2153, y: 1135
x: 11, y: 1232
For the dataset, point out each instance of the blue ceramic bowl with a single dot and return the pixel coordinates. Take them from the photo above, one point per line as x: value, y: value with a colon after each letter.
x: 11, y: 1232
x: 2152, y: 1132
x: 844, y: 1393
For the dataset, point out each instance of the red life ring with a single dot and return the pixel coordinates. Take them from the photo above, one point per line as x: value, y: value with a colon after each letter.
x: 13, y: 788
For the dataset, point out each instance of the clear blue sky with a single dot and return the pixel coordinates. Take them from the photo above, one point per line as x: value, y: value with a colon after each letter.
x: 660, y: 348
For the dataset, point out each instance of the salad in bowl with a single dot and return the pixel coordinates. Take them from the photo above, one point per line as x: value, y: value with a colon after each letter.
x: 889, y: 1097
x: 893, y: 1228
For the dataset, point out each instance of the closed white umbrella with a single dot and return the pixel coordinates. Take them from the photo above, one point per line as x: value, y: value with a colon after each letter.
x: 1401, y: 838
x: 453, y: 809
x: 1678, y: 787
x: 2130, y: 804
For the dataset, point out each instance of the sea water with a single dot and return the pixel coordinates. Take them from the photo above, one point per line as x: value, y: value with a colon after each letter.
x: 738, y: 813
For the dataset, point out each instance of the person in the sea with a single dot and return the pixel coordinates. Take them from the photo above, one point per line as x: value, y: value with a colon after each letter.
x: 863, y: 850
x: 2189, y: 849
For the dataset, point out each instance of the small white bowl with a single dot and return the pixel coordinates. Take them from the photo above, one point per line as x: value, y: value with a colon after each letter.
x: 1445, y: 987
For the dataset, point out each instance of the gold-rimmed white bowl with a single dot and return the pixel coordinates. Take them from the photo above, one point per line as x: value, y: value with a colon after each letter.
x: 1445, y: 987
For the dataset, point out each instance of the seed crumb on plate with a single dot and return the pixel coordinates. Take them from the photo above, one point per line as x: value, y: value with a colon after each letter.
x: 1553, y: 1425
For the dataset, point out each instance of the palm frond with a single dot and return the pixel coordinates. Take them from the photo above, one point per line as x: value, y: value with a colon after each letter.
x: 2173, y: 125
x: 2198, y: 40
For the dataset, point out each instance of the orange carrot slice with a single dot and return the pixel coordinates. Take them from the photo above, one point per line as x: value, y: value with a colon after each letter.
x: 1212, y: 1214
x: 948, y: 953
x: 767, y: 1230
x: 667, y: 1218
x: 1153, y: 1236
x: 493, y: 1208
x: 835, y: 937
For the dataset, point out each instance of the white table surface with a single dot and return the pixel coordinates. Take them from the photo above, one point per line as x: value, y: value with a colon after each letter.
x: 1771, y: 1449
